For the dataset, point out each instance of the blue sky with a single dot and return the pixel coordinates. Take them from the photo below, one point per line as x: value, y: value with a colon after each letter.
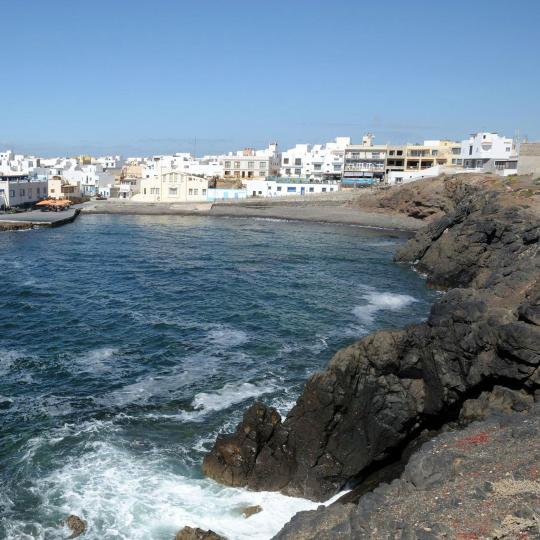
x: 141, y: 76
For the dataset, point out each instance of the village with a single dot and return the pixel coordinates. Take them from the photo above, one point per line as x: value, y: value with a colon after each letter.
x: 304, y: 170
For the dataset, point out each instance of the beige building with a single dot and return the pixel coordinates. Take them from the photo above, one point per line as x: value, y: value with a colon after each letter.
x: 172, y: 186
x: 529, y: 158
x: 58, y: 188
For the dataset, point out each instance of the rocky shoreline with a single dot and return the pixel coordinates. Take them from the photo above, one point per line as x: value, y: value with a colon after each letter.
x: 357, y: 422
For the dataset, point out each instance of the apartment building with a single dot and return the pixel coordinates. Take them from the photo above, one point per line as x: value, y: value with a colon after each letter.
x: 315, y: 163
x: 250, y: 163
x: 489, y: 152
x: 365, y: 164
x: 171, y: 185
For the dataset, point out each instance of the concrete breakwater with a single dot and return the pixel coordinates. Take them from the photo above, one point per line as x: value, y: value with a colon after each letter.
x: 36, y: 218
x: 386, y: 393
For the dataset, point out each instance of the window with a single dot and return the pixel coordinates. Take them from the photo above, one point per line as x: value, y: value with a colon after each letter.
x: 21, y: 193
x: 291, y: 189
x: 204, y: 191
x: 470, y: 150
x: 391, y: 152
x: 236, y: 164
x: 173, y: 191
x: 311, y: 189
x: 52, y: 191
x: 29, y: 192
x: 227, y: 173
x: 508, y: 149
x: 317, y: 166
x: 190, y: 191
x: 251, y: 165
x: 298, y: 161
x: 297, y: 172
x: 196, y: 191
x: 337, y: 167
x: 399, y: 152
x: 285, y: 161
x: 324, y: 190
x: 154, y: 191
x: 260, y: 192
x: 262, y: 165
x: 227, y: 164
x: 456, y: 151
x: 144, y: 191
x: 287, y: 171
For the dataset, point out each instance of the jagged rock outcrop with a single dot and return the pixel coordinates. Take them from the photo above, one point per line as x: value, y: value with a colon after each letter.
x: 378, y: 394
x: 483, y: 482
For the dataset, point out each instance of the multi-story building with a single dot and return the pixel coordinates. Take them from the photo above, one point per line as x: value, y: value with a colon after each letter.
x: 171, y: 185
x: 489, y: 152
x: 316, y: 163
x: 250, y: 163
x: 20, y: 190
x: 364, y: 164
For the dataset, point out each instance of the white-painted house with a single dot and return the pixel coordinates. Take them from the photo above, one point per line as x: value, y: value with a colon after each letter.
x: 316, y: 163
x: 284, y: 188
x: 489, y: 152
x: 20, y: 190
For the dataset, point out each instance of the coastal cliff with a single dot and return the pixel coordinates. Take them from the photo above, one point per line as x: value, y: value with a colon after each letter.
x: 381, y: 397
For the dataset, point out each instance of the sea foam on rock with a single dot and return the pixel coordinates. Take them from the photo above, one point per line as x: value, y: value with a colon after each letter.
x: 379, y: 393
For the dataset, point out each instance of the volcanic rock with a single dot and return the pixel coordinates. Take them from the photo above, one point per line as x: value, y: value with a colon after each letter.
x: 76, y: 525
x: 378, y: 394
x: 190, y: 533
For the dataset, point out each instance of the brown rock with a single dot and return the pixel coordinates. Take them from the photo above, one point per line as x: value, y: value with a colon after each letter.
x: 190, y: 533
x: 248, y: 511
x: 76, y: 525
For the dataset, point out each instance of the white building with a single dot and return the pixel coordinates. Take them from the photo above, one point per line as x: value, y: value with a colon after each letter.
x: 109, y: 162
x: 250, y: 163
x: 20, y: 190
x: 283, y: 188
x: 171, y: 185
x: 316, y: 163
x: 489, y: 152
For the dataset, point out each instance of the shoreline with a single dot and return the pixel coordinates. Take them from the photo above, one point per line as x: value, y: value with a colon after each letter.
x: 311, y: 211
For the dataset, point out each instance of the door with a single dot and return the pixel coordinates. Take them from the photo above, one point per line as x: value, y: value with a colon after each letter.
x: 302, y: 191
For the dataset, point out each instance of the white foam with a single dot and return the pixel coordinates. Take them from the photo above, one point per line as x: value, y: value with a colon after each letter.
x: 97, y: 360
x: 377, y: 301
x: 225, y: 336
x: 126, y: 496
x: 225, y: 397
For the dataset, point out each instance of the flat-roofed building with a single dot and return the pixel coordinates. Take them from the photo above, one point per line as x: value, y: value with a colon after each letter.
x: 21, y: 190
x: 172, y: 186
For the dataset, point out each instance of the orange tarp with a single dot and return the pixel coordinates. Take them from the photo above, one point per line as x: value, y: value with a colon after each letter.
x: 54, y: 202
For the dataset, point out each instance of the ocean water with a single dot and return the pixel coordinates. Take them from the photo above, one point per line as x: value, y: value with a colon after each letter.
x: 127, y: 343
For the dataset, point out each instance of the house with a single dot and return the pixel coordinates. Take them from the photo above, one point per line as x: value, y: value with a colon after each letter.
x: 282, y: 187
x: 316, y: 163
x: 250, y: 163
x: 170, y: 185
x: 489, y: 152
x: 20, y: 190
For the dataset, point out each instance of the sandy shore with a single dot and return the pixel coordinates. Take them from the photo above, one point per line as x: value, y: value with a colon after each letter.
x: 318, y: 210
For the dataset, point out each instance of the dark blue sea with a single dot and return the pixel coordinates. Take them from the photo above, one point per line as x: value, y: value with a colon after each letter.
x: 127, y: 343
